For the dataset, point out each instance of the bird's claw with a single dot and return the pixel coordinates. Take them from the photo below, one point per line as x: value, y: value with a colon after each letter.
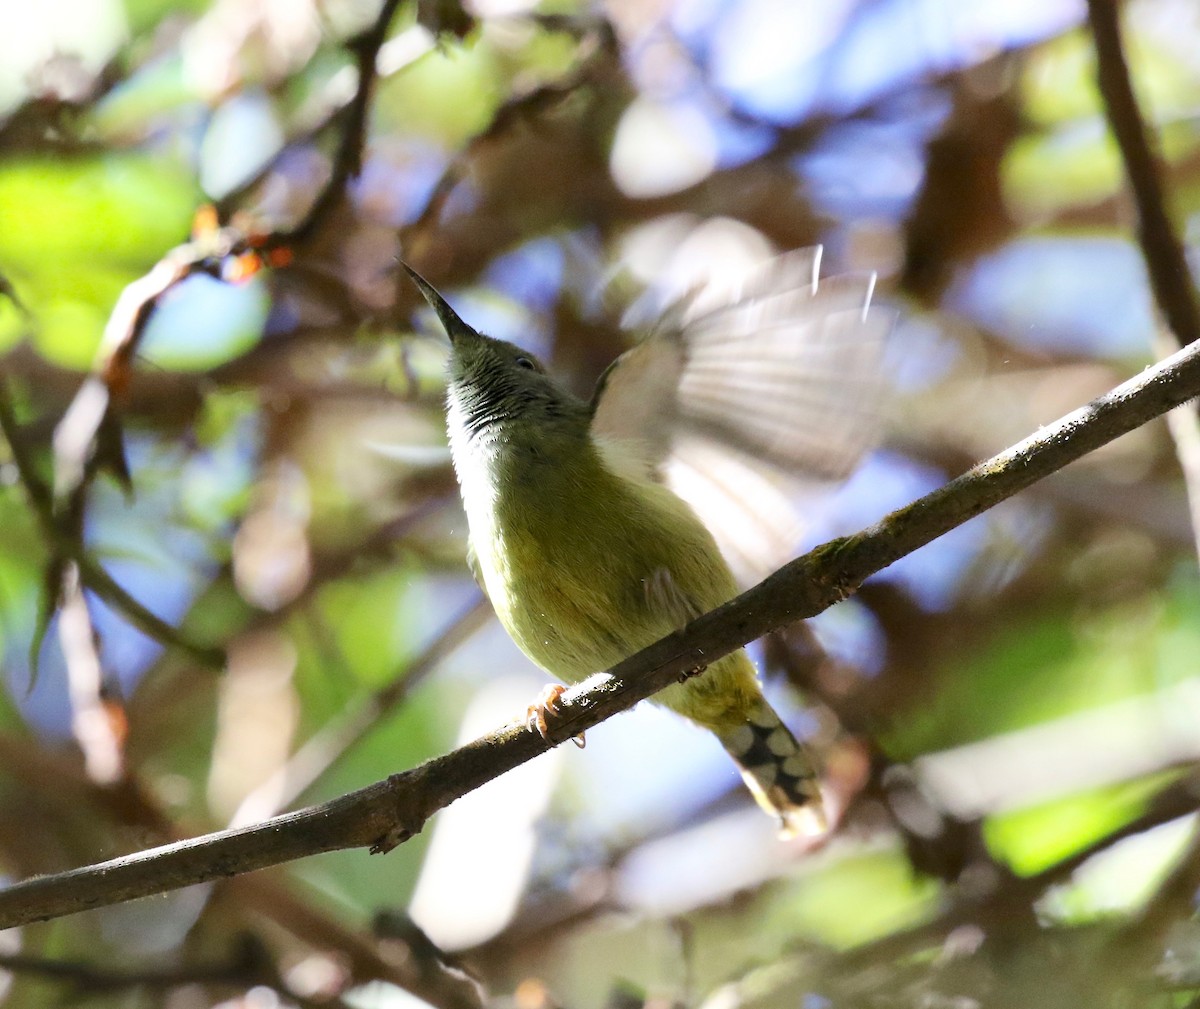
x: 687, y: 674
x: 546, y: 705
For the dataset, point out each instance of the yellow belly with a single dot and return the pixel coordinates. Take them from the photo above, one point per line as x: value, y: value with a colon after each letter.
x: 579, y: 585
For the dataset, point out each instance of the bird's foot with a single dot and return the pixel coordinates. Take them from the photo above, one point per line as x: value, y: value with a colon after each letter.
x: 546, y: 705
x: 687, y: 674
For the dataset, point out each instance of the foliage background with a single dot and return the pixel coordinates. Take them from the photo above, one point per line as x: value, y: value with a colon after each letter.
x: 1009, y: 717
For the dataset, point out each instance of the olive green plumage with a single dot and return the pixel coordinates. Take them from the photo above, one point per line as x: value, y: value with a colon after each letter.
x: 585, y: 550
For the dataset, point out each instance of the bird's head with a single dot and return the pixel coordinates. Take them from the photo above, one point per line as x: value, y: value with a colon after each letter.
x: 492, y: 382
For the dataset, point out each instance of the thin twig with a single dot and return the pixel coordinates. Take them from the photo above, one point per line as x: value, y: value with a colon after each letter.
x: 281, y: 902
x: 93, y: 574
x: 98, y: 732
x: 97, y: 977
x: 335, y: 739
x: 339, y: 105
x: 80, y: 437
x: 389, y: 812
x: 347, y: 163
x: 1166, y: 264
x: 130, y: 804
x: 597, y: 45
x: 1170, y: 277
x: 247, y: 968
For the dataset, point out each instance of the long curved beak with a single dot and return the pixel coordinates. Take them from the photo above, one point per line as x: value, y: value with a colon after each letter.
x: 455, y: 328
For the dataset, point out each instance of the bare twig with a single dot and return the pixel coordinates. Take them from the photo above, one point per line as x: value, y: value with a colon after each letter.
x: 70, y: 548
x: 88, y: 435
x: 388, y: 812
x: 367, y: 957
x: 60, y: 782
x: 1168, y: 268
x: 347, y: 163
x: 334, y: 740
x: 432, y: 967
x: 598, y: 43
x: 1166, y: 264
x: 100, y: 735
x: 248, y: 967
x: 97, y: 977
x: 75, y: 439
x: 77, y: 436
x: 343, y: 106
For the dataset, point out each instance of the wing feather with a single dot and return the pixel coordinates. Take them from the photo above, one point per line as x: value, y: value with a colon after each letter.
x: 751, y: 396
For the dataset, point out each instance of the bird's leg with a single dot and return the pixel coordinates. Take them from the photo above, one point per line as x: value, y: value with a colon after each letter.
x: 545, y: 705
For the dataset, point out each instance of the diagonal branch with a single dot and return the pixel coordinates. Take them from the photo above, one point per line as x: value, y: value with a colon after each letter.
x: 70, y: 548
x: 347, y: 162
x: 386, y: 813
x: 78, y: 437
x: 1167, y: 265
x: 598, y: 45
x: 334, y: 740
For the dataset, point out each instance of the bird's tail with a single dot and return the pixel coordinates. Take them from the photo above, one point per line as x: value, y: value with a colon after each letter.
x: 780, y: 772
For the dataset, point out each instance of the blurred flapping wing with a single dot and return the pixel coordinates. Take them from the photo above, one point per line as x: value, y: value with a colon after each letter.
x: 747, y: 398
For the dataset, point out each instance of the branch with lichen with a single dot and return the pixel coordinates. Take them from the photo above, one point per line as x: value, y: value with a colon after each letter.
x: 385, y: 814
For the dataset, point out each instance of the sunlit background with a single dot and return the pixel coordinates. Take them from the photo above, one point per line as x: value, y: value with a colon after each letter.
x: 990, y: 710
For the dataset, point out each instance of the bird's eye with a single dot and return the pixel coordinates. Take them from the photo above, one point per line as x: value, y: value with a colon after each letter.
x: 526, y: 363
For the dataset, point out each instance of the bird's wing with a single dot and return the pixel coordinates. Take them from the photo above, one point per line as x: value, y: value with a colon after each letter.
x: 475, y: 569
x: 748, y: 398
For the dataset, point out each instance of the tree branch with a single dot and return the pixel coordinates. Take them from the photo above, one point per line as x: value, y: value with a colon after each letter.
x: 70, y: 548
x: 1170, y: 277
x: 78, y: 438
x: 335, y: 739
x: 386, y: 813
x: 1166, y: 263
x: 347, y: 162
x: 248, y: 966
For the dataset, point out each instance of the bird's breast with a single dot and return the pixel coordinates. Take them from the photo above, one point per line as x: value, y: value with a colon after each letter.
x: 574, y: 556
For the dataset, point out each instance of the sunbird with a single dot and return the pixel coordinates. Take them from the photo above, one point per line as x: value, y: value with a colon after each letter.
x: 585, y: 517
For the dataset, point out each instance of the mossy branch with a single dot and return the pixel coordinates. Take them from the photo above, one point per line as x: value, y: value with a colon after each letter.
x: 386, y: 813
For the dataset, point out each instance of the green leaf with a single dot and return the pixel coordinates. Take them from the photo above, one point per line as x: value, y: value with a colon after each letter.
x: 1052, y: 664
x: 76, y: 232
x: 1033, y: 839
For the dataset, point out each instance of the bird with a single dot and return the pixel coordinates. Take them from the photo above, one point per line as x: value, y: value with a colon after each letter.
x: 597, y: 527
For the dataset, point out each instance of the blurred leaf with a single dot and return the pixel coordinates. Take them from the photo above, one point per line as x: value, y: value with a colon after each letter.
x: 76, y: 232
x: 853, y: 899
x: 1072, y: 159
x: 146, y: 14
x: 240, y: 138
x: 1121, y: 878
x: 1031, y: 840
x: 364, y: 625
x: 1054, y: 664
x: 155, y: 88
x: 450, y: 97
x: 22, y: 577
x: 203, y: 323
x: 360, y: 884
x: 1072, y: 164
x: 1058, y: 80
